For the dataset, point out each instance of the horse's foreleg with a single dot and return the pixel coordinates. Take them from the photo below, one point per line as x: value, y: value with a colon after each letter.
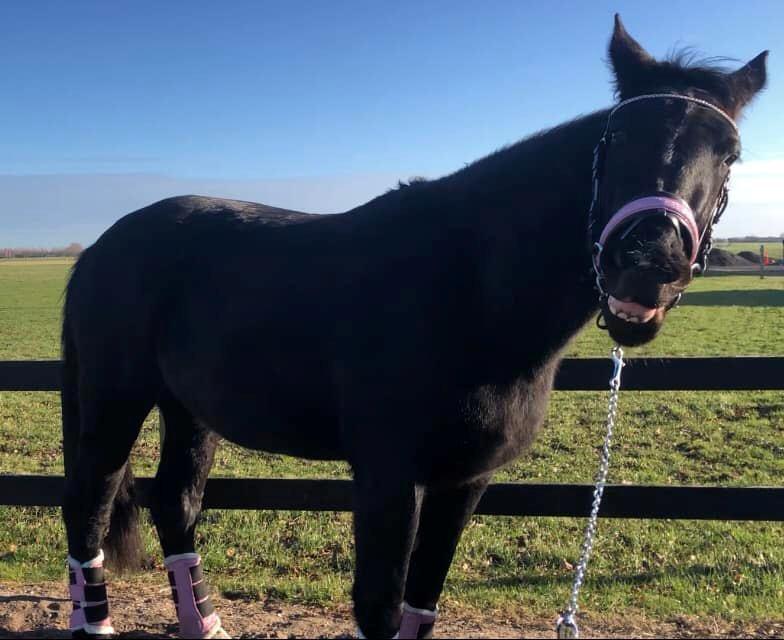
x: 443, y: 517
x: 186, y: 459
x: 385, y: 522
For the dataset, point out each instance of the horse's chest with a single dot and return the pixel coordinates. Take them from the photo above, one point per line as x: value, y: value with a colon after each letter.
x: 495, y: 425
x: 506, y: 419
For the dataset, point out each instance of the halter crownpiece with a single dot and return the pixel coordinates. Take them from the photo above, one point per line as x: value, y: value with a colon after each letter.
x: 676, y: 96
x: 676, y: 209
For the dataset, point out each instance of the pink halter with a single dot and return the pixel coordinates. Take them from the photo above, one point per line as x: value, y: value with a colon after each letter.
x: 654, y: 205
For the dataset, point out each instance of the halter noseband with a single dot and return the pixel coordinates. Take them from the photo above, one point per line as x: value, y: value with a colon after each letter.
x: 676, y: 209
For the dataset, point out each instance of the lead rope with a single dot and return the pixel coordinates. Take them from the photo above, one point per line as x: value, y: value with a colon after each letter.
x: 566, y: 624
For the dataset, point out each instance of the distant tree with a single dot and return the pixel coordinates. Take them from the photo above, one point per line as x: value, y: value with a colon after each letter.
x: 73, y: 249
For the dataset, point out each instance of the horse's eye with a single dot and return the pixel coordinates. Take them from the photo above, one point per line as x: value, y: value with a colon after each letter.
x: 730, y: 159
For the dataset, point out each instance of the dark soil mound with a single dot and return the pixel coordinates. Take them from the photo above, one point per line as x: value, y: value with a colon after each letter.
x: 750, y: 256
x: 723, y: 258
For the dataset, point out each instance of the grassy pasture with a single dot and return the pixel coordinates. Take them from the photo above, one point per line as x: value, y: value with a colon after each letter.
x: 659, y: 569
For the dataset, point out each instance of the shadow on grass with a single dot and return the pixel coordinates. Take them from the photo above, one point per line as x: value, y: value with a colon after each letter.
x: 640, y: 578
x: 775, y: 272
x: 735, y: 298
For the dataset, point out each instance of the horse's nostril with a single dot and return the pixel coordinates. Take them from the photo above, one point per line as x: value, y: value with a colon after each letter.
x: 667, y: 276
x: 628, y: 259
x: 665, y: 271
x: 655, y: 266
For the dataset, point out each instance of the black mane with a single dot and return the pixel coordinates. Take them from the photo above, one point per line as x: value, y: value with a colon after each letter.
x: 682, y: 72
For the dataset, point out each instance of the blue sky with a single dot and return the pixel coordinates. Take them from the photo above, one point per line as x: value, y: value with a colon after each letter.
x: 319, y: 104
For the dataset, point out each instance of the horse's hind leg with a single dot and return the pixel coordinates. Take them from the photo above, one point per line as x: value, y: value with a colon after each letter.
x: 443, y: 517
x: 186, y: 458
x: 99, y: 430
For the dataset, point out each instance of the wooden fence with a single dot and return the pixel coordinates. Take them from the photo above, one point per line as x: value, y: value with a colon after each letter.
x: 512, y: 499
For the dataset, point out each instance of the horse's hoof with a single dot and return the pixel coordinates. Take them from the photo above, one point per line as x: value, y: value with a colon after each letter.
x: 218, y: 633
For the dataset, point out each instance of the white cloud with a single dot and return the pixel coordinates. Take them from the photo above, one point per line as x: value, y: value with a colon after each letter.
x: 759, y: 181
x: 756, y: 199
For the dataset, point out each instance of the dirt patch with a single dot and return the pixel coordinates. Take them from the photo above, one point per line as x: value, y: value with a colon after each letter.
x: 142, y: 609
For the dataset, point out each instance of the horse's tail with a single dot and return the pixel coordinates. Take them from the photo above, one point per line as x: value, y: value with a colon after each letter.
x: 69, y: 398
x: 122, y: 544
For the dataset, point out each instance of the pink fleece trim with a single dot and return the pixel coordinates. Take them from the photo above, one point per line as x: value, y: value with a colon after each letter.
x: 413, y: 619
x: 77, y: 620
x: 192, y: 625
x: 650, y: 205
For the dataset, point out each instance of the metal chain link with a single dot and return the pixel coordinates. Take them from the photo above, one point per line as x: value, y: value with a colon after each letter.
x: 566, y: 625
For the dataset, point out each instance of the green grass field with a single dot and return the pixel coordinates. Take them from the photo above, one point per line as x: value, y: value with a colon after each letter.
x: 656, y: 569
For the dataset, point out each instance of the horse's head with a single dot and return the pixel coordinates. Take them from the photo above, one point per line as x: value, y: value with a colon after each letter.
x: 660, y: 179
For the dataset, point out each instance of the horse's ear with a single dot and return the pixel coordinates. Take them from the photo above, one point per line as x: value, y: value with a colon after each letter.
x: 749, y: 79
x: 628, y: 58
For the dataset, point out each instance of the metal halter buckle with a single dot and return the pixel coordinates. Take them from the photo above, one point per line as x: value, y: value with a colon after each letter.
x: 597, y: 268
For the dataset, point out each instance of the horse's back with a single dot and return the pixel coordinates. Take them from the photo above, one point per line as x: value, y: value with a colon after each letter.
x: 206, y: 299
x: 138, y: 263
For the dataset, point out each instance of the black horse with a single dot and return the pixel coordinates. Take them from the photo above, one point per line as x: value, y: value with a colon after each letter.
x: 415, y: 336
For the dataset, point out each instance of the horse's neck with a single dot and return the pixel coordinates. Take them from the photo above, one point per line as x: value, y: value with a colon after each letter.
x: 531, y: 217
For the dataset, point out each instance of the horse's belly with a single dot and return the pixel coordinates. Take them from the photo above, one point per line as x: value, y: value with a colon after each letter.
x: 271, y: 424
x: 313, y: 439
x: 283, y: 410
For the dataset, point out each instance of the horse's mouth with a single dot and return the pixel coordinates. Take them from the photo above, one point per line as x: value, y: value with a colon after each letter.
x: 631, y: 311
x: 631, y: 323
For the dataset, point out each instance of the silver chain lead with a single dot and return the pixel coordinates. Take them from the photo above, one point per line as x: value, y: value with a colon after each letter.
x: 566, y: 625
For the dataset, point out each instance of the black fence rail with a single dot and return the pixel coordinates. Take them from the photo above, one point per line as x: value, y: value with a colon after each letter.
x: 501, y: 499
x: 509, y: 499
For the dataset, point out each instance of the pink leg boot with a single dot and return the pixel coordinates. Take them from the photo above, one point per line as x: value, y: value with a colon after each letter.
x: 90, y: 615
x: 195, y: 612
x: 416, y: 623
